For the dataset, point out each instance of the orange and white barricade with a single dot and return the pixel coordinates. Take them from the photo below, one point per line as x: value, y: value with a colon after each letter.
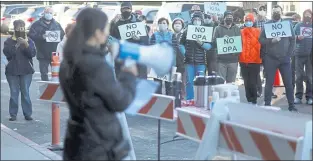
x: 243, y: 131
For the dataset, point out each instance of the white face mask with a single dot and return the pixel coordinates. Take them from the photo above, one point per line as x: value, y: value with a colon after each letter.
x: 177, y: 27
x: 262, y: 13
x: 163, y: 27
x: 207, y: 21
x: 197, y: 23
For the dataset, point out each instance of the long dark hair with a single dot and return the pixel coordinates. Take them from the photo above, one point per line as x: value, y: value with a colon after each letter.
x: 87, y: 22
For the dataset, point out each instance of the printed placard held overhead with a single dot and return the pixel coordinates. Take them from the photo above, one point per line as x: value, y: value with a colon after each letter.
x: 306, y: 32
x: 127, y: 31
x: 215, y: 8
x: 183, y: 15
x: 278, y: 29
x: 53, y: 36
x: 201, y: 33
x: 227, y: 45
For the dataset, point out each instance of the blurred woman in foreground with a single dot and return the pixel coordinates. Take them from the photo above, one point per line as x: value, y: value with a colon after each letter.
x: 92, y: 93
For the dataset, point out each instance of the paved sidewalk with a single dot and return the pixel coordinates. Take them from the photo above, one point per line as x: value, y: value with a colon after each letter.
x: 16, y: 147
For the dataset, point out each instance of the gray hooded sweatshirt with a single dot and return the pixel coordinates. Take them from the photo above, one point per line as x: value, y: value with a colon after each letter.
x: 221, y: 31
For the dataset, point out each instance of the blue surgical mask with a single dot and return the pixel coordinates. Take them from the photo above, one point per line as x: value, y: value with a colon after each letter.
x: 248, y: 24
x: 48, y: 16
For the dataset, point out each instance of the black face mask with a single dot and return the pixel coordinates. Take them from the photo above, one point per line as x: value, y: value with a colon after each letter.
x: 307, y: 19
x: 229, y: 21
x: 19, y: 34
x: 276, y: 16
x: 126, y: 14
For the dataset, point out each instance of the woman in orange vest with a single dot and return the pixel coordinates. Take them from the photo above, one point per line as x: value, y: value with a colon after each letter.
x: 249, y: 58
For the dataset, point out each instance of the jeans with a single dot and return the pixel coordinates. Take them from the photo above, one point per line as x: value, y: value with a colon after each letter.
x: 44, y: 68
x: 17, y: 84
x: 228, y: 71
x: 270, y: 67
x: 303, y: 68
x: 191, y: 71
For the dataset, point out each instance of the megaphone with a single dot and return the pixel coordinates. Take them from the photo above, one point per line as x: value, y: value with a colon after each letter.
x: 159, y: 57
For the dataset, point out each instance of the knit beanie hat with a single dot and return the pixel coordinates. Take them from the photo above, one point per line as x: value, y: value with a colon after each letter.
x: 126, y: 4
x: 178, y: 19
x: 228, y: 13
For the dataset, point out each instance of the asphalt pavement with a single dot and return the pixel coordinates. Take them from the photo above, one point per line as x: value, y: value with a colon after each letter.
x: 143, y: 130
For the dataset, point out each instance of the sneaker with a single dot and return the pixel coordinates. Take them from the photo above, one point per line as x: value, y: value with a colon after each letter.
x: 309, y: 101
x: 298, y: 101
x: 28, y: 118
x: 12, y: 119
x: 292, y: 109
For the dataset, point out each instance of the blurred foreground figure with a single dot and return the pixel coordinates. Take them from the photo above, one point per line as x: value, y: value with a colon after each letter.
x: 93, y: 95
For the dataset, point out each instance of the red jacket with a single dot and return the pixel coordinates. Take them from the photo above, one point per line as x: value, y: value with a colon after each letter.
x: 250, y: 46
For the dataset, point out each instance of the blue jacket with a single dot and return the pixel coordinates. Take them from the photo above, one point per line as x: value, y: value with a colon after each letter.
x: 20, y: 60
x: 36, y: 32
x: 169, y: 37
x: 304, y: 46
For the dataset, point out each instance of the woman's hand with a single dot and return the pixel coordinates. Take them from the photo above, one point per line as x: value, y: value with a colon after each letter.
x: 23, y: 42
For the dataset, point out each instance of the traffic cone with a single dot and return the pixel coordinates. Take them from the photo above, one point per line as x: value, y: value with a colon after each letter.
x: 55, y: 67
x: 278, y: 81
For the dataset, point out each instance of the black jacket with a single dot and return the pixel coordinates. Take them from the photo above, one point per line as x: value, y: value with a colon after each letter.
x: 114, y: 32
x: 36, y: 32
x: 94, y: 97
x: 195, y: 54
x: 211, y: 55
x: 20, y: 60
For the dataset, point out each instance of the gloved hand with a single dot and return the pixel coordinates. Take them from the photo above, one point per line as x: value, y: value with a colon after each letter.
x: 275, y: 40
x: 135, y: 37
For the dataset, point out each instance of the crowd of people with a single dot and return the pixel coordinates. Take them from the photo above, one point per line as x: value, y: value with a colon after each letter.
x: 85, y: 44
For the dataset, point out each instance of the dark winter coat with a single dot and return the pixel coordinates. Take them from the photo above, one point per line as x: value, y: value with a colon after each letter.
x: 20, y: 60
x: 36, y: 32
x: 211, y: 55
x: 304, y: 46
x: 144, y: 40
x: 195, y: 54
x: 94, y: 97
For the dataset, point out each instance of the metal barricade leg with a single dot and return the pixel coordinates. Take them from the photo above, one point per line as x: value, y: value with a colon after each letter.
x: 56, y: 144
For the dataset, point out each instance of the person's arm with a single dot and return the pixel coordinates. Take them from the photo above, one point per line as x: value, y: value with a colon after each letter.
x: 9, y: 49
x: 175, y: 44
x: 117, y: 95
x: 297, y: 32
x: 183, y: 38
x: 215, y: 36
x: 292, y: 42
x: 263, y: 40
x: 152, y: 40
x: 35, y: 32
x: 30, y: 51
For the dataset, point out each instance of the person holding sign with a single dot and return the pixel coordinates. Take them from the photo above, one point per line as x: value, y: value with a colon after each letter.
x: 128, y: 18
x: 280, y: 44
x: 46, y: 33
x: 250, y: 59
x: 164, y: 35
x: 19, y: 50
x: 227, y: 63
x: 94, y: 96
x: 303, y: 65
x: 195, y: 55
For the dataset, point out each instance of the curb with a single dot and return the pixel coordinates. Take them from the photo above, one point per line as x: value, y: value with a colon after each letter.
x: 49, y: 154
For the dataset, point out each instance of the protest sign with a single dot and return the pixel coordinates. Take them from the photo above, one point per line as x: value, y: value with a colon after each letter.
x: 215, y: 8
x: 278, y: 29
x: 166, y: 77
x: 201, y: 33
x: 306, y: 32
x: 127, y: 31
x: 183, y: 15
x: 53, y: 36
x: 226, y: 45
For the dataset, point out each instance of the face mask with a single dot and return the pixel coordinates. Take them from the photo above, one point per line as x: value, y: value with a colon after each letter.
x: 249, y: 24
x: 276, y: 16
x: 262, y: 13
x: 197, y: 23
x: 162, y: 27
x: 125, y: 14
x: 228, y: 21
x: 177, y: 27
x: 207, y: 21
x: 19, y: 34
x: 307, y: 19
x: 48, y: 16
